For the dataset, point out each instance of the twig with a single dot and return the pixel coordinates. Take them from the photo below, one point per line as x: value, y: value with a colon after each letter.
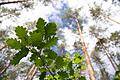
x: 3, y: 71
x: 3, y: 48
x: 10, y: 2
x: 35, y: 68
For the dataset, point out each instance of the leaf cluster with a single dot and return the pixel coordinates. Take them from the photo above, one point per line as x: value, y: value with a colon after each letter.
x: 39, y: 43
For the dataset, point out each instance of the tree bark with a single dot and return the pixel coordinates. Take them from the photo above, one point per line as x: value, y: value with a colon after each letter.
x: 87, y: 58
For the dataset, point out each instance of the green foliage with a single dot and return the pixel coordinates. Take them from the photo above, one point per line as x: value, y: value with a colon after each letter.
x: 19, y: 56
x: 115, y: 36
x: 50, y: 54
x: 117, y: 75
x: 39, y: 43
x: 51, y: 42
x: 14, y: 43
x: 21, y: 32
x: 96, y: 11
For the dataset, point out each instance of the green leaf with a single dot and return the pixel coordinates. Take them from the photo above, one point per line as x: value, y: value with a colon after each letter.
x: 21, y: 32
x: 38, y: 62
x: 77, y: 60
x: 71, y: 71
x: 117, y: 73
x: 13, y: 43
x: 40, y: 25
x: 70, y: 68
x: 66, y: 61
x: 42, y: 75
x: 76, y: 55
x: 51, y: 42
x: 82, y: 78
x: 70, y: 65
x: 68, y: 55
x: 59, y: 62
x: 19, y: 56
x: 77, y: 74
x: 63, y: 74
x: 35, y: 58
x: 83, y: 67
x: 41, y: 45
x: 50, y: 54
x: 35, y: 38
x: 42, y: 69
x: 51, y: 29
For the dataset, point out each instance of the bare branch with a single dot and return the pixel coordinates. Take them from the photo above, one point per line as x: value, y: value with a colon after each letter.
x: 10, y: 2
x: 3, y: 47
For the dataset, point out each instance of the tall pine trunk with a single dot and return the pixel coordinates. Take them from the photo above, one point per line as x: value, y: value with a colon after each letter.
x: 87, y: 58
x: 112, y: 61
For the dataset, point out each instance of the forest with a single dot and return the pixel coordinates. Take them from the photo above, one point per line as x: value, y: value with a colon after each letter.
x: 59, y: 39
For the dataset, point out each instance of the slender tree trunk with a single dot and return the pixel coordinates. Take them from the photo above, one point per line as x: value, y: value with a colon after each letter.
x: 31, y: 72
x: 4, y: 70
x: 110, y: 59
x: 109, y: 18
x: 87, y: 58
x: 104, y: 74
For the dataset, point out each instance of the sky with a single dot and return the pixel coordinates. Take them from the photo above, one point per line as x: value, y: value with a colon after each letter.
x: 43, y: 11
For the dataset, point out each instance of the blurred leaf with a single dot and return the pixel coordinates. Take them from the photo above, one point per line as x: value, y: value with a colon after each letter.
x: 63, y: 74
x: 83, y: 67
x: 70, y: 68
x: 82, y: 78
x: 76, y: 55
x: 59, y: 62
x: 77, y: 60
x: 42, y: 69
x: 49, y: 77
x: 117, y: 72
x: 42, y: 75
x: 68, y: 55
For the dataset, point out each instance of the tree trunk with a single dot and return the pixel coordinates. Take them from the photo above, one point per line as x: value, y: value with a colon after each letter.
x: 87, y: 58
x: 110, y: 58
x: 31, y: 72
x: 109, y: 18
